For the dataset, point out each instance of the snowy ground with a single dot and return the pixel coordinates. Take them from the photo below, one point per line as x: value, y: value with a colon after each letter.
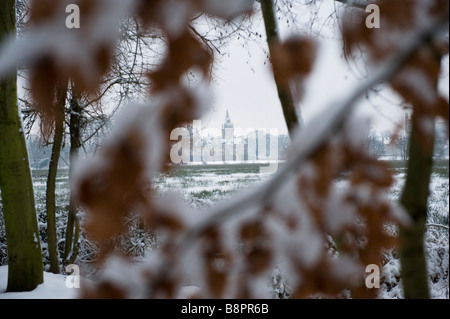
x: 202, y: 187
x: 54, y: 287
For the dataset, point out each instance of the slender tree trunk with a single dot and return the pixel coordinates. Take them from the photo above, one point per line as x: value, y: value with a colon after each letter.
x: 72, y: 230
x: 25, y: 270
x: 50, y: 205
x: 284, y: 91
x: 414, y: 199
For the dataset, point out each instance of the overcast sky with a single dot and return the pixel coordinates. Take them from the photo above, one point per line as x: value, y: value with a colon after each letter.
x: 244, y: 84
x: 245, y: 87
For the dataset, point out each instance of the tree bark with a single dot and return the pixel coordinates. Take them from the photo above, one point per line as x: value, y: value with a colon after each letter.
x: 414, y: 199
x: 72, y: 230
x: 50, y: 204
x: 284, y: 92
x: 25, y: 269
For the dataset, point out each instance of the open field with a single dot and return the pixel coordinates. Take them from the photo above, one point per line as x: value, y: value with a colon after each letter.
x: 204, y: 186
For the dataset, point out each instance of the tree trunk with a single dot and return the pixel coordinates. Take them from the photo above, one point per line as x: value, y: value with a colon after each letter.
x: 284, y: 91
x: 72, y: 230
x: 414, y: 199
x: 25, y: 269
x: 51, y: 178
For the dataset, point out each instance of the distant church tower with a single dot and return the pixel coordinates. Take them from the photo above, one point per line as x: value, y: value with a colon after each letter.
x: 227, y: 125
x: 227, y: 139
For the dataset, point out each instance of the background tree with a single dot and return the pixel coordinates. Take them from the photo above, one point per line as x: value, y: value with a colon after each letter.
x: 71, y: 245
x: 50, y: 204
x: 441, y: 149
x: 283, y: 86
x: 25, y: 269
x: 375, y: 143
x: 84, y: 116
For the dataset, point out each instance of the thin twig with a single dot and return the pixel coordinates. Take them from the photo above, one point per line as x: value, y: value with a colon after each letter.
x: 436, y: 225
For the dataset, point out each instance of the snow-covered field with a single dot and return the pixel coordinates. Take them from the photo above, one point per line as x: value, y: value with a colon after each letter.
x: 203, y: 186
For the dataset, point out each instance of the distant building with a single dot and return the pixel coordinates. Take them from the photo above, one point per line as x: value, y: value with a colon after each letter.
x: 228, y: 145
x: 227, y: 125
x: 231, y: 144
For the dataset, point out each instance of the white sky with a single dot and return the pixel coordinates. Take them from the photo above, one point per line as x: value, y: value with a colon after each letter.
x: 246, y: 87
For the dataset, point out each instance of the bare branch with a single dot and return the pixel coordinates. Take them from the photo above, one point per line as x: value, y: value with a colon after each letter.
x: 208, y: 43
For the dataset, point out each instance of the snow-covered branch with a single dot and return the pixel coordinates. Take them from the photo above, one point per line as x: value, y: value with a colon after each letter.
x: 306, y: 143
x: 319, y: 131
x: 436, y: 225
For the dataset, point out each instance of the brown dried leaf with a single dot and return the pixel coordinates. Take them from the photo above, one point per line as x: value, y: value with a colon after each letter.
x: 316, y: 281
x: 251, y: 231
x: 396, y: 16
x: 184, y: 53
x: 165, y: 220
x: 148, y: 11
x: 216, y: 282
x: 373, y: 172
x: 52, y: 68
x: 110, y: 191
x: 225, y: 10
x: 102, y: 290
x: 259, y: 259
x: 42, y: 10
x: 293, y: 60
